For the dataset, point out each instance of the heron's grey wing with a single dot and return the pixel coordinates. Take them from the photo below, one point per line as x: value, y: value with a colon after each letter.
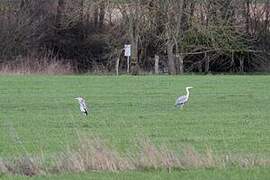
x: 181, y: 100
x: 84, y: 105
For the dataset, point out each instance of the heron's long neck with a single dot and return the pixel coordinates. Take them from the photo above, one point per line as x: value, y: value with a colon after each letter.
x: 187, y: 92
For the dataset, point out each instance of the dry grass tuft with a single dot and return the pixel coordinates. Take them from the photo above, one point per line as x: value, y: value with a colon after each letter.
x: 36, y: 65
x: 248, y: 161
x: 152, y: 157
x: 3, y: 168
x: 26, y: 166
x: 93, y: 154
x: 192, y: 159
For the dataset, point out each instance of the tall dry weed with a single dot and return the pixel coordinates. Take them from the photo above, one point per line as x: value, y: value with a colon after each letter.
x: 36, y: 65
x: 93, y: 154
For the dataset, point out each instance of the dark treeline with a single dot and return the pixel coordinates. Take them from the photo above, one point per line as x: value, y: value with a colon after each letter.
x: 178, y: 35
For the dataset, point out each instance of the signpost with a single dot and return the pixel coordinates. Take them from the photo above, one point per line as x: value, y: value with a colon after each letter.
x: 127, y: 49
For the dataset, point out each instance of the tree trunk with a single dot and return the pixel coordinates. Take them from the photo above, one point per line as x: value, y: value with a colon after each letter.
x: 247, y: 16
x: 101, y: 14
x: 24, y: 4
x: 200, y: 66
x: 96, y: 15
x: 192, y: 8
x: 59, y: 14
x: 81, y: 10
x: 171, y: 59
x: 134, y: 39
x: 202, y: 14
x: 134, y: 67
x: 266, y: 22
x: 191, y: 12
x: 241, y: 64
x: 184, y: 17
x: 180, y: 63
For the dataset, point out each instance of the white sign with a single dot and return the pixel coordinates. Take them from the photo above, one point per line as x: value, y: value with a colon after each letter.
x: 127, y: 49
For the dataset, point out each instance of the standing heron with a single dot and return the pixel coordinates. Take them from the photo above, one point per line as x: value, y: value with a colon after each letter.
x: 182, y: 100
x: 83, y: 106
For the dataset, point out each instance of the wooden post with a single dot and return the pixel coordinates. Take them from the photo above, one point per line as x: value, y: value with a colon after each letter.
x: 156, y: 64
x: 128, y: 52
x: 206, y: 63
x: 232, y: 62
x: 128, y: 64
x: 117, y: 66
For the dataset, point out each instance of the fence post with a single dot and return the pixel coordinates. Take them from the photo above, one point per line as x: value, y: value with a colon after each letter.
x: 206, y: 63
x: 156, y: 64
x: 117, y: 66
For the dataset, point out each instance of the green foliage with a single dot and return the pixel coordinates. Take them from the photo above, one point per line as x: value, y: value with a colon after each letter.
x: 222, y: 38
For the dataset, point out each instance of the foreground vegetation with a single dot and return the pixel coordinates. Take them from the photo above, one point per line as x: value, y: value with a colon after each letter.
x: 226, y: 114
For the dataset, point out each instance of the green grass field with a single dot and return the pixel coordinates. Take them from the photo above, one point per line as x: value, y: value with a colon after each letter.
x: 230, y: 114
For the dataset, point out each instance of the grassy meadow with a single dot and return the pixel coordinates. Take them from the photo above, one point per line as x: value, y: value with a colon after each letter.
x: 229, y: 114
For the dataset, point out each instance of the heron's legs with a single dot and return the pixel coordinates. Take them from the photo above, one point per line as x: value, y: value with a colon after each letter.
x: 181, y: 106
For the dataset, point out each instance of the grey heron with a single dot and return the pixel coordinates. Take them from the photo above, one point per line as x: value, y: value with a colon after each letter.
x: 182, y: 100
x: 83, y: 106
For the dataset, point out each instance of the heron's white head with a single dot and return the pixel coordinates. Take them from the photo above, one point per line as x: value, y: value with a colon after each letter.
x: 79, y: 98
x: 189, y: 87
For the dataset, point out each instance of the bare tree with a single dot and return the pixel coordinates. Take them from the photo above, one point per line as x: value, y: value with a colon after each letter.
x: 177, y: 23
x: 134, y: 16
x: 221, y: 35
